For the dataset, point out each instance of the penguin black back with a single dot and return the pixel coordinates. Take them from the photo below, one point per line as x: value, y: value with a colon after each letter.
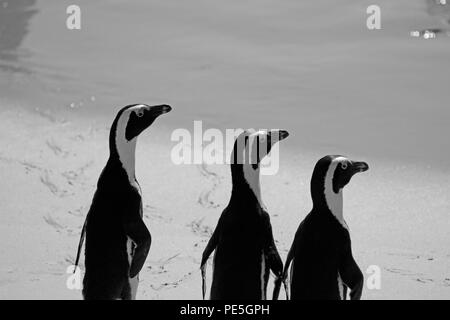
x: 322, y: 262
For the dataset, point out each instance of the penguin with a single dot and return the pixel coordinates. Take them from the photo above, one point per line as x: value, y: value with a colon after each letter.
x: 245, y: 249
x: 117, y: 240
x: 323, y: 266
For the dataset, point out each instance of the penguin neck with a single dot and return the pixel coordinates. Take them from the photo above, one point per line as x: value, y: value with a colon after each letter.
x: 328, y: 201
x: 246, y: 183
x: 335, y: 203
x: 334, y: 200
x: 127, y: 157
x: 124, y: 152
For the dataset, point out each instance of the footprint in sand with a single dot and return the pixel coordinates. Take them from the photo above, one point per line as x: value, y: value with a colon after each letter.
x: 402, y: 272
x: 151, y: 212
x: 29, y: 167
x: 68, y: 259
x: 199, y: 229
x: 80, y: 212
x: 44, y: 178
x: 46, y: 181
x: 413, y: 256
x: 49, y: 116
x: 173, y: 284
x: 419, y: 277
x: 447, y: 282
x: 73, y: 176
x: 163, y: 262
x: 204, y: 197
x: 53, y: 223
x: 57, y: 150
x: 89, y: 133
x: 61, y: 228
x: 159, y: 267
x: 424, y: 280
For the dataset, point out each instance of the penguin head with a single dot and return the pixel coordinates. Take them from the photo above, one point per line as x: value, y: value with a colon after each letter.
x: 131, y: 121
x: 140, y: 117
x: 331, y: 174
x: 252, y: 146
x: 260, y: 144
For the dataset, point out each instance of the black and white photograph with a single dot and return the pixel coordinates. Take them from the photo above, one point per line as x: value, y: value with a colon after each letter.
x: 238, y: 150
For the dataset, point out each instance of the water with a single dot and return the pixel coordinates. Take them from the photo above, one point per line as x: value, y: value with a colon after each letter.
x: 312, y: 68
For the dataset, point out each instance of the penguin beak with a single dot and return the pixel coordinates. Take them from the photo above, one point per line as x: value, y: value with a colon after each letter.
x: 161, y: 109
x: 278, y: 135
x: 283, y: 134
x: 359, y: 167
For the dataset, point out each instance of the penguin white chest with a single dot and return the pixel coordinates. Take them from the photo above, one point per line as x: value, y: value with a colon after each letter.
x: 263, y: 273
x: 130, y: 245
x: 340, y: 284
x: 130, y: 250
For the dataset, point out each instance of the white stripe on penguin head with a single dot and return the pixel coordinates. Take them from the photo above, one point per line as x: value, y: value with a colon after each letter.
x: 127, y: 149
x: 251, y: 175
x: 334, y: 200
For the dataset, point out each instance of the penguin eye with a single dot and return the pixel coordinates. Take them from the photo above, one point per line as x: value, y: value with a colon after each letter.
x: 140, y: 113
x: 344, y: 165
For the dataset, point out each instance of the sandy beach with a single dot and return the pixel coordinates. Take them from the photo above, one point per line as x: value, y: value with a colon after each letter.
x: 398, y: 223
x: 253, y: 66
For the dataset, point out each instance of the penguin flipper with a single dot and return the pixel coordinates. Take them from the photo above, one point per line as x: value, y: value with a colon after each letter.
x: 273, y: 257
x: 81, y: 242
x: 210, y: 247
x: 136, y: 230
x: 350, y: 273
x: 270, y: 249
x: 276, y: 266
x: 80, y: 245
x: 284, y: 279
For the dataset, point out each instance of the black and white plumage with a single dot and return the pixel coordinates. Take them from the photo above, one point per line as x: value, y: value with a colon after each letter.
x: 245, y: 250
x: 117, y: 240
x: 321, y: 255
